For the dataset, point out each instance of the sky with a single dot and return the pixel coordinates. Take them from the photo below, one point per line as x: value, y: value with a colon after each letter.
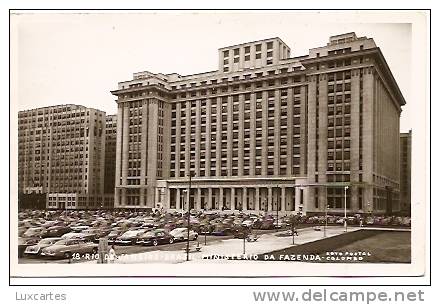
x: 78, y: 58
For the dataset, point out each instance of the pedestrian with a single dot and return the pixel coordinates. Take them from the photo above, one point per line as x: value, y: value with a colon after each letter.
x: 112, y: 255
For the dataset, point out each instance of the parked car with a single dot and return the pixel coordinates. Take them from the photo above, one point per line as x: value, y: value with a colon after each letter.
x: 242, y: 232
x: 56, y: 231
x: 130, y: 237
x: 222, y: 230
x: 206, y: 228
x: 23, y: 243
x: 79, y: 228
x: 65, y: 248
x: 44, y: 243
x: 155, y: 237
x: 267, y: 224
x: 34, y: 232
x: 180, y: 234
x: 97, y: 233
x: 115, y: 233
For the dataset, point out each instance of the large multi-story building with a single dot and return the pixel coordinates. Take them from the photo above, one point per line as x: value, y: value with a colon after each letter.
x: 405, y: 171
x: 61, y: 155
x: 264, y: 132
x: 110, y: 160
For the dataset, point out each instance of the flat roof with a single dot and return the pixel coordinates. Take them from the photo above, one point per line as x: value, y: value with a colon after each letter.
x: 250, y: 42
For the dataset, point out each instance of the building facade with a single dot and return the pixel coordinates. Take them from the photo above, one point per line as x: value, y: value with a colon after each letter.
x: 405, y: 171
x: 264, y: 132
x: 61, y: 154
x: 110, y: 160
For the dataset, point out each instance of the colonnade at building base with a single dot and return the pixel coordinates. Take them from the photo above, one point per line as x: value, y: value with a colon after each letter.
x: 284, y: 197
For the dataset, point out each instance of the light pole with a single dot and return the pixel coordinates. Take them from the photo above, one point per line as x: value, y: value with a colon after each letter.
x: 325, y: 227
x: 345, y: 207
x: 278, y: 199
x: 293, y: 228
x: 188, y: 196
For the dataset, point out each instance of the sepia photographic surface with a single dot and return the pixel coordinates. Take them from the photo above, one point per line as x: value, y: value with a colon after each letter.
x: 217, y: 143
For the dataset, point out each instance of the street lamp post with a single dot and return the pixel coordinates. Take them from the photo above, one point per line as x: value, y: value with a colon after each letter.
x: 345, y: 207
x: 244, y: 243
x: 293, y: 229
x: 325, y: 227
x: 278, y: 199
x: 188, y: 218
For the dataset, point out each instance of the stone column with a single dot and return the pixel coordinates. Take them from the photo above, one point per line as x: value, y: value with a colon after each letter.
x: 142, y: 197
x: 199, y: 199
x: 117, y: 193
x: 220, y: 199
x: 269, y: 199
x: 209, y: 198
x: 232, y: 198
x: 168, y: 199
x: 257, y: 199
x: 177, y: 199
x: 297, y: 198
x: 245, y: 201
x: 283, y: 199
x: 124, y: 197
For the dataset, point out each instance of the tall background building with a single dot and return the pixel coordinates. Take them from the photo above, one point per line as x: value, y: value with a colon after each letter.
x: 110, y: 160
x: 405, y: 171
x: 61, y: 156
x: 264, y: 132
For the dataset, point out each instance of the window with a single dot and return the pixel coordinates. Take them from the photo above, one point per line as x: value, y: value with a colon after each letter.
x: 269, y: 45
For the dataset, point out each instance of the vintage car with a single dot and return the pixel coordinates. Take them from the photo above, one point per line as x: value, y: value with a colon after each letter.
x: 66, y: 248
x: 182, y: 234
x: 130, y: 237
x: 44, y: 243
x: 155, y: 237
